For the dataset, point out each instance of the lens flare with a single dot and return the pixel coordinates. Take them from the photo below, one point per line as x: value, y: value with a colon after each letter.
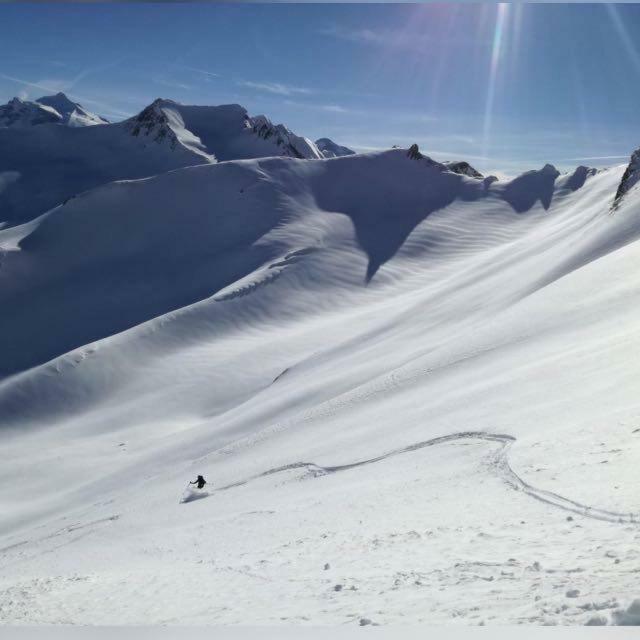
x: 496, y: 54
x: 623, y: 34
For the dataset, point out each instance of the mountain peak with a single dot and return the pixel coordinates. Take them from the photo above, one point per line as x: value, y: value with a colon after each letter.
x: 414, y: 152
x: 22, y: 113
x: 464, y: 168
x: 223, y: 132
x: 460, y: 167
x: 330, y: 149
x: 154, y: 122
x: 72, y: 113
x: 291, y: 144
x: 549, y: 169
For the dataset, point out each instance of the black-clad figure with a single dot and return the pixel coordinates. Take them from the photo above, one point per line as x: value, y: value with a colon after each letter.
x: 200, y: 481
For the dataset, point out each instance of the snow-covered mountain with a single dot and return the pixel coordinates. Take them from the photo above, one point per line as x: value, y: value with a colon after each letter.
x: 330, y: 149
x: 41, y: 167
x: 56, y: 109
x: 225, y: 132
x: 73, y: 114
x: 463, y: 168
x: 412, y: 389
x: 22, y: 113
x: 165, y: 210
x: 48, y: 164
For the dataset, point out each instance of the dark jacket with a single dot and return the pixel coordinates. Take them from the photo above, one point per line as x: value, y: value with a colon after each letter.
x: 200, y: 481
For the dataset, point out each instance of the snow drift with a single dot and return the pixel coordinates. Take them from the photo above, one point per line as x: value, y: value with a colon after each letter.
x: 152, y: 246
x: 412, y: 388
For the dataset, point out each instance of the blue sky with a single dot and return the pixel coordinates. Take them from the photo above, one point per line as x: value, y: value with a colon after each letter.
x: 507, y: 87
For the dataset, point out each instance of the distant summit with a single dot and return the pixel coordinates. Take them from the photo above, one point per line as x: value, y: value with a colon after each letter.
x: 57, y: 109
x: 292, y: 144
x: 460, y: 167
x: 330, y: 149
x: 73, y: 114
x: 22, y: 113
x: 463, y: 168
x: 224, y: 132
x: 164, y: 136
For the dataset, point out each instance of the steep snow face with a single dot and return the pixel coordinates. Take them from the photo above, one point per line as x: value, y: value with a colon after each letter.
x: 162, y: 123
x: 22, y: 113
x: 414, y: 398
x: 330, y: 149
x: 73, y: 114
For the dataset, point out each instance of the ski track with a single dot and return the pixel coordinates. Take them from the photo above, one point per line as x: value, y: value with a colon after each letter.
x: 498, y: 461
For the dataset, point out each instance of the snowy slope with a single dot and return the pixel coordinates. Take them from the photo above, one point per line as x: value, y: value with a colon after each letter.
x: 413, y: 392
x: 157, y: 245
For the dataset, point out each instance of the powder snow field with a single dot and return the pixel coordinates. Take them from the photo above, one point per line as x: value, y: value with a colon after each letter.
x: 413, y: 393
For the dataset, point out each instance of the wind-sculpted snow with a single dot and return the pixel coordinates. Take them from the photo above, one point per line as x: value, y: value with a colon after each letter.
x: 157, y: 245
x: 237, y: 319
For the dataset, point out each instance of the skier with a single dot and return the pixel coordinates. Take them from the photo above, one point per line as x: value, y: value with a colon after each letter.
x: 200, y: 481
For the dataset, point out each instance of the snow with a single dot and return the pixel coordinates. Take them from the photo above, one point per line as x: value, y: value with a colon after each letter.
x: 73, y: 114
x: 42, y: 166
x: 56, y: 109
x: 330, y: 149
x: 55, y: 163
x: 629, y: 616
x: 226, y: 132
x: 21, y: 113
x: 406, y: 382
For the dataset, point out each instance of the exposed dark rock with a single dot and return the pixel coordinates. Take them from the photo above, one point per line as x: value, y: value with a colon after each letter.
x: 463, y: 168
x: 152, y: 121
x: 629, y: 178
x: 414, y: 152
